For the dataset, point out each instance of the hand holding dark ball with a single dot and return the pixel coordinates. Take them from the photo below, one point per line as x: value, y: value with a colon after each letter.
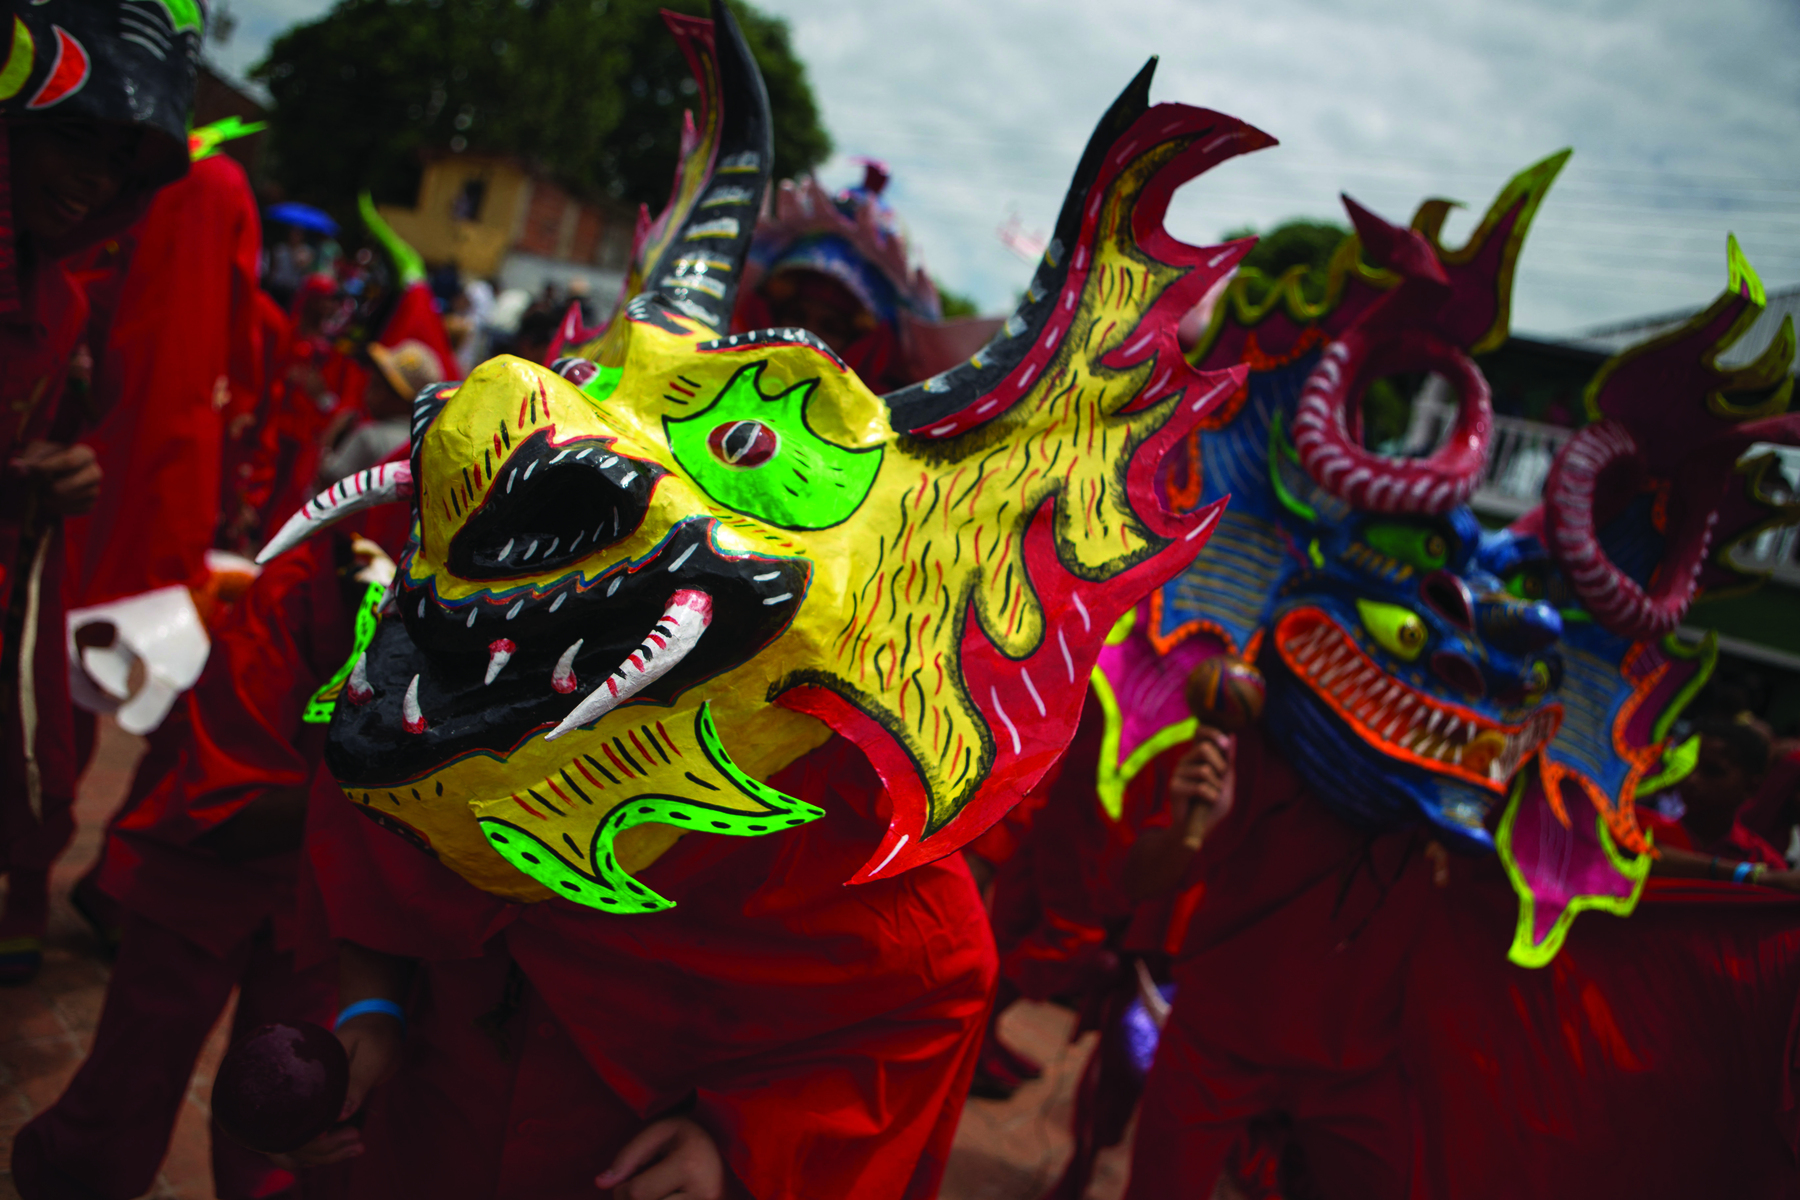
x: 281, y: 1086
x: 1226, y: 693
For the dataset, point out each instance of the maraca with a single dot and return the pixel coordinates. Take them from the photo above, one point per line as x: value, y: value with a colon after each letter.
x: 1226, y: 693
x: 281, y: 1086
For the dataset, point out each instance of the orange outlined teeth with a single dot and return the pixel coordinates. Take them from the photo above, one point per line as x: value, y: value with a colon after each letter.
x: 1402, y: 723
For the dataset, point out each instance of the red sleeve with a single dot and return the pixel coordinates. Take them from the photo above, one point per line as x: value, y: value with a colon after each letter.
x: 1755, y: 849
x: 236, y: 735
x: 288, y: 634
x: 245, y: 367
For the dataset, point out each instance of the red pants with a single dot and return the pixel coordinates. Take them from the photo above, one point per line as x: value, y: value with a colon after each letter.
x: 1195, y: 1110
x: 108, y: 1134
x: 493, y: 1102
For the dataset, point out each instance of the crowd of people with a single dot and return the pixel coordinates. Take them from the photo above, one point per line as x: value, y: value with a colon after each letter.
x: 1273, y: 977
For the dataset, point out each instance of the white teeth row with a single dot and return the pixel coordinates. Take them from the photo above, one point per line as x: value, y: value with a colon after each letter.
x: 674, y: 636
x: 606, y: 528
x: 1398, y: 716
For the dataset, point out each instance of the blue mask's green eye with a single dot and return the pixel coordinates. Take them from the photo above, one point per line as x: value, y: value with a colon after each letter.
x: 1527, y: 584
x: 1420, y: 547
x: 1397, y: 629
x: 1537, y: 682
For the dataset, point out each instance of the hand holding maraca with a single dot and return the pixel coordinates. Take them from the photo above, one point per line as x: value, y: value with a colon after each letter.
x: 289, y: 1090
x: 1226, y: 695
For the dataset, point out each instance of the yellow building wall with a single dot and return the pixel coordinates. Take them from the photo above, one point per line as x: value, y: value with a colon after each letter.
x: 477, y: 246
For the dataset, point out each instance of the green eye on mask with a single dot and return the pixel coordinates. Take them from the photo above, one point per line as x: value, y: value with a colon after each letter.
x: 1397, y: 629
x: 1526, y: 585
x: 1423, y: 549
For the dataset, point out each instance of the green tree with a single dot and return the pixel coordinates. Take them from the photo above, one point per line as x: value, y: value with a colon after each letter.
x: 955, y: 304
x: 1295, y: 243
x: 1387, y: 411
x: 591, y: 90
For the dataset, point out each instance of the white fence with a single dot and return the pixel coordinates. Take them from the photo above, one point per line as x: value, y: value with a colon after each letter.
x: 1519, y: 456
x: 1519, y: 459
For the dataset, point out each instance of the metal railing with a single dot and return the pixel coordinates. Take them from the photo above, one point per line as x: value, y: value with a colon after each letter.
x: 1776, y: 552
x: 1519, y: 460
x: 1519, y: 456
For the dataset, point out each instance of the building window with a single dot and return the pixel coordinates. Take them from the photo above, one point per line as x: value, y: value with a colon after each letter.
x: 467, y: 205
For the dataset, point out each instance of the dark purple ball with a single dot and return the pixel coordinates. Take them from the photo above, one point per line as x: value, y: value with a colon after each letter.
x: 281, y: 1086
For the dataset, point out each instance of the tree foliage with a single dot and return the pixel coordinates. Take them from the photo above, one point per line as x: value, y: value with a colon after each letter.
x: 591, y: 90
x: 955, y: 304
x: 1387, y: 411
x: 1295, y: 243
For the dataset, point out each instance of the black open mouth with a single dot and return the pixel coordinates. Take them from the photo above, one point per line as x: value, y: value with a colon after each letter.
x: 552, y: 505
x: 444, y: 680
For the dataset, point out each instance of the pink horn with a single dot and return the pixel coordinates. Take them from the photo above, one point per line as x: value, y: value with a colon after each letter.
x: 389, y: 483
x: 1329, y: 412
x: 1571, y: 534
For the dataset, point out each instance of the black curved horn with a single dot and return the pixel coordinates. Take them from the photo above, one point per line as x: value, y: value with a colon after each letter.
x: 712, y: 216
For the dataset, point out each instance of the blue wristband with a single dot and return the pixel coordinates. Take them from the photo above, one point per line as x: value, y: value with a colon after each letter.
x: 1742, y: 872
x: 362, y: 1007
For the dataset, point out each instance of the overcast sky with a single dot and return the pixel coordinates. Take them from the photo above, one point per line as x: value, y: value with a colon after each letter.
x: 1684, y: 117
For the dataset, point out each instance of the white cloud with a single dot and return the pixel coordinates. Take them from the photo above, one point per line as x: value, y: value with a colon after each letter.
x: 1685, y: 120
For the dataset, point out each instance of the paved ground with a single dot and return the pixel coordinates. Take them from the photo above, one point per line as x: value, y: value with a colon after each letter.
x: 1004, y: 1151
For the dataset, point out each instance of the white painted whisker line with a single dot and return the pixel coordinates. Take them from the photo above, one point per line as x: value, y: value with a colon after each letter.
x: 892, y: 854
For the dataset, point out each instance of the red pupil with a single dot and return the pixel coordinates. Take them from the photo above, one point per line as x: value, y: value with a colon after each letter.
x: 743, y: 443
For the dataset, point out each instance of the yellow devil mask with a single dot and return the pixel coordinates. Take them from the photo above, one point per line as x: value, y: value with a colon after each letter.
x: 641, y: 586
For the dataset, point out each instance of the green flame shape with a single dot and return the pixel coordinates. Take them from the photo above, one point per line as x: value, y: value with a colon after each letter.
x: 609, y: 887
x: 324, y: 701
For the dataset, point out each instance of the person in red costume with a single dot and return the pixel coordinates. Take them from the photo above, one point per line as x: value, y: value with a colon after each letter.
x: 90, y: 128
x: 724, y: 1047
x: 248, y: 474
x: 1727, y: 774
x: 1124, y: 879
x: 203, y: 862
x: 1041, y: 859
x: 1413, y: 1059
x: 1315, y: 918
x: 319, y: 393
x: 181, y: 359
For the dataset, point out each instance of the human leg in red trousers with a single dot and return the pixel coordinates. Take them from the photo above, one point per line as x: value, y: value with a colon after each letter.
x: 105, y: 1138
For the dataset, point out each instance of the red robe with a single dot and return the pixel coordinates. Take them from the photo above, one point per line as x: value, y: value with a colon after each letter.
x: 1656, y: 1056
x: 1327, y: 986
x: 825, y: 1033
x: 182, y: 355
